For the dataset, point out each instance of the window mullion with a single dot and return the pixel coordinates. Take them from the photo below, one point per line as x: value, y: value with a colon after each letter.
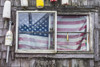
x: 73, y: 32
x: 49, y: 37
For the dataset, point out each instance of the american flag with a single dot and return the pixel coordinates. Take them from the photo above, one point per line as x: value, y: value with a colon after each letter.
x: 39, y: 22
x: 71, y: 24
x: 29, y: 25
x: 53, y: 0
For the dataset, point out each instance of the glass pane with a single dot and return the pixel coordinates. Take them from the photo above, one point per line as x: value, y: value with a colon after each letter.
x: 35, y: 30
x: 75, y: 41
x: 72, y: 33
x: 72, y: 24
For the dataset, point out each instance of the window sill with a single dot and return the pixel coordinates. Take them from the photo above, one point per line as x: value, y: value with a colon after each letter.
x: 58, y: 55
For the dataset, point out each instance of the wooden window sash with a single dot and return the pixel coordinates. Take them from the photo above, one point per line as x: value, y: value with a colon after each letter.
x: 88, y: 27
x: 73, y: 32
x: 51, y: 31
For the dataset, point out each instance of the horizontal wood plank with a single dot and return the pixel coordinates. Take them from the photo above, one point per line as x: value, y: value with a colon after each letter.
x: 57, y: 55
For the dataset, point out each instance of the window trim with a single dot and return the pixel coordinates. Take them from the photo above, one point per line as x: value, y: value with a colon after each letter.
x: 91, y: 21
x: 32, y: 50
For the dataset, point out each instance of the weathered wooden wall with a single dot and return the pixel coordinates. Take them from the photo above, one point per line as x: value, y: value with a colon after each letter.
x: 37, y: 60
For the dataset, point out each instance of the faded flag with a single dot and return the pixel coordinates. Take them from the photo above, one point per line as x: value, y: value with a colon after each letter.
x: 31, y: 30
x: 71, y: 24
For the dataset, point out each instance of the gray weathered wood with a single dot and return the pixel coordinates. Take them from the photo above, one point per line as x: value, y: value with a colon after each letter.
x: 96, y: 45
x: 17, y: 3
x: 25, y: 62
x: 32, y: 63
x: 90, y: 2
x: 59, y: 63
x: 74, y: 63
x: 96, y: 2
x: 81, y: 63
x: 53, y: 60
x: 96, y: 20
x: 57, y: 55
x: 2, y: 2
x: 3, y: 47
x: 65, y: 63
x: 96, y: 37
x: 91, y: 63
x: 16, y: 63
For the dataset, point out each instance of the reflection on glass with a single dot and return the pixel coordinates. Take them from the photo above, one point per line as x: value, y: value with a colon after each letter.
x: 77, y: 41
x: 72, y: 33
x: 34, y: 30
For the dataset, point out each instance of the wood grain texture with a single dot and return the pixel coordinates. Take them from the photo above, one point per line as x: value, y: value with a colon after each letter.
x: 91, y: 63
x: 74, y: 63
x: 1, y: 32
x: 90, y: 2
x: 17, y: 3
x: 2, y: 2
x: 3, y: 47
x: 56, y: 55
x: 65, y: 63
x: 96, y: 3
x: 16, y: 63
x: 2, y: 39
x: 25, y: 62
x: 1, y: 11
x: 81, y: 63
x: 96, y: 40
x: 1, y: 26
x: 32, y: 62
x: 53, y: 60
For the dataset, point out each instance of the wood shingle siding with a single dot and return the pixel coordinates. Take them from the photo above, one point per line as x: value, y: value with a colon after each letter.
x: 53, y: 60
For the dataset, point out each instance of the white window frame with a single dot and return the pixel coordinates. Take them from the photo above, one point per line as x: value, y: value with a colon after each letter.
x: 91, y: 29
x: 91, y: 25
x: 37, y: 50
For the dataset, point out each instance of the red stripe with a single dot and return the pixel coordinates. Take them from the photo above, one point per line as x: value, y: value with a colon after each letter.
x: 31, y: 47
x: 31, y: 40
x: 69, y: 49
x: 66, y: 49
x: 53, y: 0
x: 70, y: 22
x: 84, y: 27
x: 61, y: 48
x: 69, y: 43
x: 70, y: 36
x: 70, y: 16
x: 70, y: 29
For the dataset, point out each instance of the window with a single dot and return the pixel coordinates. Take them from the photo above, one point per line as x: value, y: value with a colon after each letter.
x: 74, y: 32
x: 47, y: 32
x: 36, y: 31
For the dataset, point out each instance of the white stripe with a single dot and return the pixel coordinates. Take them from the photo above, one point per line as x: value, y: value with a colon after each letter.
x: 71, y: 19
x: 77, y: 30
x: 37, y: 16
x: 70, y: 40
x: 34, y: 44
x: 25, y: 48
x: 23, y: 17
x: 68, y: 46
x: 65, y: 1
x: 73, y: 44
x: 36, y: 37
x: 83, y: 48
x: 71, y: 26
x: 71, y: 47
x: 69, y: 34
